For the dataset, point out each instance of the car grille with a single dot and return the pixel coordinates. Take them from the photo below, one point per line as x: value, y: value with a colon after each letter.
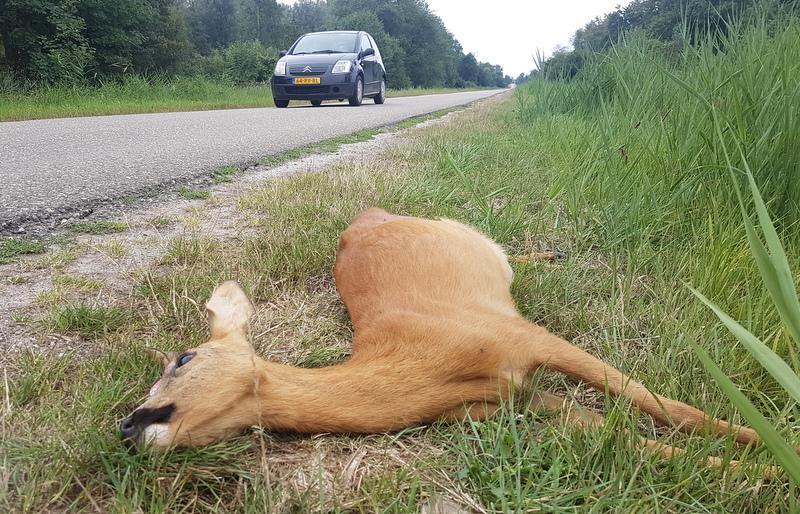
x: 309, y: 90
x: 301, y: 69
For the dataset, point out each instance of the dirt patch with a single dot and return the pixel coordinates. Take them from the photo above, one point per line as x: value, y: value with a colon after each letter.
x: 114, y: 260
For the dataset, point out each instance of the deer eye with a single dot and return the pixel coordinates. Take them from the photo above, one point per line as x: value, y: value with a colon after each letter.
x: 183, y: 359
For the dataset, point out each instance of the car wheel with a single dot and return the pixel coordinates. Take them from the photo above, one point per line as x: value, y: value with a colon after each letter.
x: 358, y: 95
x: 281, y: 103
x: 381, y: 97
x: 316, y: 103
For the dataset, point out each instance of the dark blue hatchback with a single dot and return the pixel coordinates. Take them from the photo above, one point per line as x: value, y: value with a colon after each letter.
x: 336, y: 65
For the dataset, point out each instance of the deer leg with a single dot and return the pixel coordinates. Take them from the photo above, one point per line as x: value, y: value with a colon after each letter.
x: 545, y: 349
x: 476, y: 411
x: 574, y: 413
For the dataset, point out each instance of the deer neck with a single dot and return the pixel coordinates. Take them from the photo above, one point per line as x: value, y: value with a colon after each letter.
x: 348, y: 397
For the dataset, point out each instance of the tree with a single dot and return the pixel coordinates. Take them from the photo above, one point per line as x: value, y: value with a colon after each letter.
x: 135, y: 35
x: 250, y: 61
x: 43, y: 40
x: 468, y: 68
x: 307, y: 16
x: 262, y: 20
x: 212, y: 23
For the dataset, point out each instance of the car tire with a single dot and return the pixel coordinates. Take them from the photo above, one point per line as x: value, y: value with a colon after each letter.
x: 358, y: 94
x: 316, y: 103
x: 381, y: 97
x: 281, y: 103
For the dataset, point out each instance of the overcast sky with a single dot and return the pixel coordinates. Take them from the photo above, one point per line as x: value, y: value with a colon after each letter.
x: 509, y: 32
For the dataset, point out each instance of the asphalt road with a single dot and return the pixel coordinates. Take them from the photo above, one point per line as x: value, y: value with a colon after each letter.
x: 53, y: 168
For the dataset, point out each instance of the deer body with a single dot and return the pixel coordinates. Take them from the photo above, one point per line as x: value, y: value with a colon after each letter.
x: 436, y: 336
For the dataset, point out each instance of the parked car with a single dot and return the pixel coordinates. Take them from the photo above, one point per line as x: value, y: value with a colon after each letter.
x: 333, y: 65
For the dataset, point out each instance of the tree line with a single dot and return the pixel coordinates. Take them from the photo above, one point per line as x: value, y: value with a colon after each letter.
x: 672, y: 22
x: 46, y: 42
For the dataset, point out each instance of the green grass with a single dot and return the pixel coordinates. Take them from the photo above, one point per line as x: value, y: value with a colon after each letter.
x: 137, y: 94
x: 194, y: 194
x: 90, y: 321
x: 224, y: 174
x: 76, y: 282
x: 134, y: 95
x: 635, y: 190
x: 11, y: 248
x: 99, y: 227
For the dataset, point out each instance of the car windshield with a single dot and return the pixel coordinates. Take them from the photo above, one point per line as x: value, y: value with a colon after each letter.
x: 326, y: 43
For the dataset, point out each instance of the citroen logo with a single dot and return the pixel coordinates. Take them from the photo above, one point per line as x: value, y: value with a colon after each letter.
x: 307, y: 69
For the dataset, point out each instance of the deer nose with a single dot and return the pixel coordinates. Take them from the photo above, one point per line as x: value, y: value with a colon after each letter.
x: 133, y: 426
x: 129, y: 429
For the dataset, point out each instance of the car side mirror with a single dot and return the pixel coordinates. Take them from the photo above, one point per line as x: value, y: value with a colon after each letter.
x: 366, y: 52
x: 281, y: 53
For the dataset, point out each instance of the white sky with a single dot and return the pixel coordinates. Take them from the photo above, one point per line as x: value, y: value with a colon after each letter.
x: 509, y: 32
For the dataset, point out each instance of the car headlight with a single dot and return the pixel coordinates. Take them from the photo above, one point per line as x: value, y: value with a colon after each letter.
x: 343, y: 66
x: 280, y: 68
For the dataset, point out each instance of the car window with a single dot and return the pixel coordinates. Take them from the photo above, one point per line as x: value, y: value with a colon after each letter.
x: 377, y: 52
x: 365, y: 42
x: 325, y: 43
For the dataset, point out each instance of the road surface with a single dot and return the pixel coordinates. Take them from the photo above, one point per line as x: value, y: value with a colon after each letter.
x: 53, y: 168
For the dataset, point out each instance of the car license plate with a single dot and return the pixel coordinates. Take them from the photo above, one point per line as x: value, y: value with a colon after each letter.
x: 306, y: 80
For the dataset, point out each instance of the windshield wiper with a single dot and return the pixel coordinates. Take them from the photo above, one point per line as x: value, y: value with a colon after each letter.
x: 325, y: 52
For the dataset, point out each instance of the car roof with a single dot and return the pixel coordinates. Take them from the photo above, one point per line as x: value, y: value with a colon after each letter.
x: 334, y: 32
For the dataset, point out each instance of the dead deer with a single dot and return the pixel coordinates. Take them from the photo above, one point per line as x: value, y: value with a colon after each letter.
x: 437, y: 336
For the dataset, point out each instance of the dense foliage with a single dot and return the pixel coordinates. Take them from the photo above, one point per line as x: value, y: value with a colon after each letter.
x: 672, y: 23
x: 75, y: 41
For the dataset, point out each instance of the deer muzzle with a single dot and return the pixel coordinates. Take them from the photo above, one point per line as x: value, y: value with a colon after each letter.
x: 133, y: 427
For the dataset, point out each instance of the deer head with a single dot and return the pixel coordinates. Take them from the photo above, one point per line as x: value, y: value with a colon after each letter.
x: 205, y: 393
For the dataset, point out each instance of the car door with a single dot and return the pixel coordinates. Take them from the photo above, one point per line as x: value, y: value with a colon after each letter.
x: 380, y: 70
x: 369, y: 65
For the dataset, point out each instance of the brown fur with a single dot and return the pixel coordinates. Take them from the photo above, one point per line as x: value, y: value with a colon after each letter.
x: 437, y: 335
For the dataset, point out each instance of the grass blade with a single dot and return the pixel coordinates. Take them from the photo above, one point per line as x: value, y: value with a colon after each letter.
x: 771, y: 362
x: 773, y: 264
x: 783, y: 452
x: 776, y: 271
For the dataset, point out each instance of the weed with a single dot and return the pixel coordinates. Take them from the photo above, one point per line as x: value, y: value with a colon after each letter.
x: 224, y: 174
x: 99, y: 227
x: 76, y: 283
x: 188, y: 251
x: 18, y: 279
x: 194, y: 194
x: 55, y: 259
x: 21, y: 318
x: 114, y: 249
x: 90, y: 321
x: 13, y: 247
x: 162, y: 221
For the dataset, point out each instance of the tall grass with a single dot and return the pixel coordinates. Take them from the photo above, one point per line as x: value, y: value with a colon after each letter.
x: 134, y: 94
x: 653, y: 132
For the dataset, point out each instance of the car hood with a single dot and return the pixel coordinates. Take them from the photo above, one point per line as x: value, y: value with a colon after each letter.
x: 312, y: 59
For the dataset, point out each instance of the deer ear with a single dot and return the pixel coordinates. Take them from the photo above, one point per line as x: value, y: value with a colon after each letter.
x: 161, y: 356
x: 229, y: 310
